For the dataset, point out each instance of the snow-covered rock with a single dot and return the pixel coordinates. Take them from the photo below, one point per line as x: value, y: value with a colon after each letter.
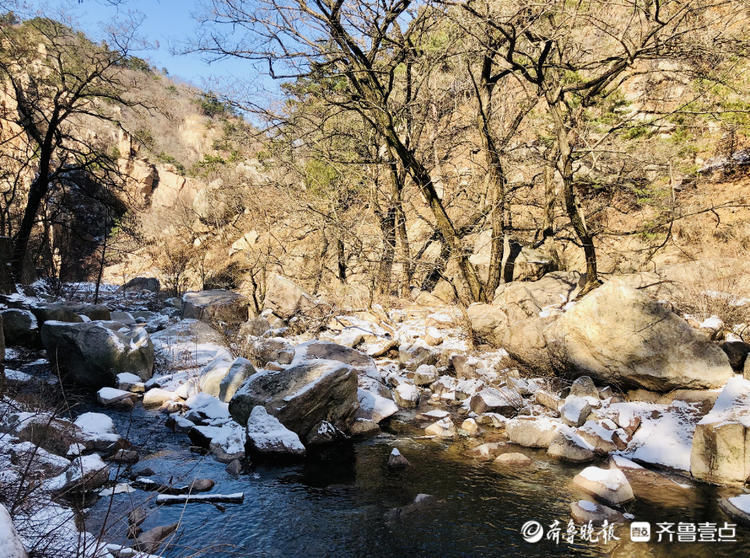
x: 433, y: 337
x: 532, y: 432
x: 374, y: 407
x: 226, y: 442
x: 208, y: 409
x: 721, y: 444
x: 608, y: 485
x: 406, y: 395
x: 10, y: 543
x: 417, y: 354
x: 575, y: 410
x: 128, y: 381
x: 396, y: 460
x: 495, y: 400
x: 108, y: 396
x: 267, y: 437
x: 569, y: 446
x: 97, y: 430
x: 87, y: 472
x: 40, y: 458
x: 444, y: 428
x: 302, y: 396
x: 424, y: 375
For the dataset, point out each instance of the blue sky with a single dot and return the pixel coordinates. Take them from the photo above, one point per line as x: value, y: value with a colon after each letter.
x: 167, y: 25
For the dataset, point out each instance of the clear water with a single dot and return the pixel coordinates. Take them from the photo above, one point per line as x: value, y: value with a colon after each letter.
x: 339, y: 505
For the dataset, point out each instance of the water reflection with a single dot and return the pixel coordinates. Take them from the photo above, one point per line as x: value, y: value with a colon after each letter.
x: 341, y: 503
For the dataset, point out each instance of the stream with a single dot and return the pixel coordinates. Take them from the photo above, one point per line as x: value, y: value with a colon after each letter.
x: 340, y: 504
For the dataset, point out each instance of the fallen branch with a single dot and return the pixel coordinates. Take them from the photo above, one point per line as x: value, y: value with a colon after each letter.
x: 236, y: 498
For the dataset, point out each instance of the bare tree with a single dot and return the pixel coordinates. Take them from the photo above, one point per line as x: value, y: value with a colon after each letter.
x: 363, y: 44
x: 58, y: 80
x: 577, y: 55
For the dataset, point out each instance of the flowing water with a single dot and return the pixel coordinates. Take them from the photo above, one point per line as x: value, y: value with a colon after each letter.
x: 342, y: 504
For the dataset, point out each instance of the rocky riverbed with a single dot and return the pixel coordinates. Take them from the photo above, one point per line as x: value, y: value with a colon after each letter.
x: 294, y: 431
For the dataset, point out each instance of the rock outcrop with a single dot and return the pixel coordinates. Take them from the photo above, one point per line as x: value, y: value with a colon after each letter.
x: 70, y: 312
x: 285, y: 297
x: 20, y: 327
x: 215, y: 306
x: 302, y: 397
x: 92, y: 354
x: 621, y: 336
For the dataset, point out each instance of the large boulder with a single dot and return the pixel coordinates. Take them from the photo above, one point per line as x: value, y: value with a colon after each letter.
x: 527, y: 341
x: 721, y: 443
x: 20, y: 327
x: 92, y: 354
x: 621, y: 336
x: 519, y: 301
x: 215, y: 306
x: 302, y: 397
x: 222, y: 378
x: 326, y: 350
x: 532, y: 432
x: 142, y: 284
x: 528, y: 299
x: 285, y: 297
x: 70, y: 312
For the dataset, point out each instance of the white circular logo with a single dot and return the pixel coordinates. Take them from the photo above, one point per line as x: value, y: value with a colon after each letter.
x: 532, y: 531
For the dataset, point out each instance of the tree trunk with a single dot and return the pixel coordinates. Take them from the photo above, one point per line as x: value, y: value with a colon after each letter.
x: 322, y: 266
x: 397, y: 188
x: 550, y: 197
x: 341, y: 260
x: 385, y: 267
x: 37, y: 192
x: 102, y: 260
x: 438, y: 270
x: 443, y: 222
x: 497, y: 182
x: 572, y: 206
